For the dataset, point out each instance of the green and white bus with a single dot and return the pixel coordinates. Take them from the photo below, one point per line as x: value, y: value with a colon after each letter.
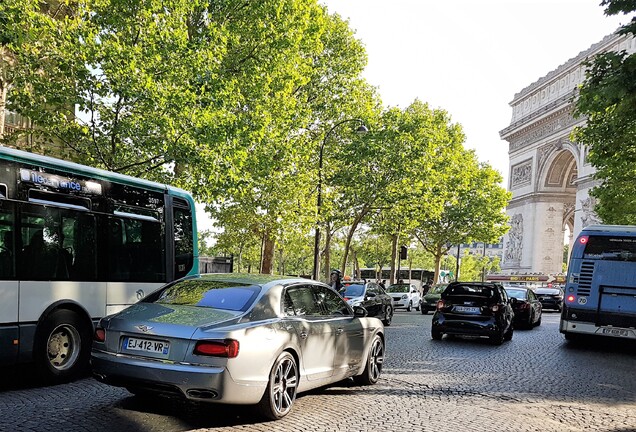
x: 76, y: 244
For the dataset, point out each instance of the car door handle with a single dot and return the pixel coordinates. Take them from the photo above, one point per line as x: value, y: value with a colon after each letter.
x: 303, y: 334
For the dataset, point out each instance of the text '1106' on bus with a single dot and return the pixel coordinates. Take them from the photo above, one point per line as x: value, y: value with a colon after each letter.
x: 76, y: 244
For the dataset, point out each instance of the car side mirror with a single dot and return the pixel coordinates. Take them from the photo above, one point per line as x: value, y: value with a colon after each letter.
x: 360, y: 312
x: 370, y: 295
x: 513, y: 300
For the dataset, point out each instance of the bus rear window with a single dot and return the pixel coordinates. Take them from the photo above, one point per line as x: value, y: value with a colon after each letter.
x: 610, y: 248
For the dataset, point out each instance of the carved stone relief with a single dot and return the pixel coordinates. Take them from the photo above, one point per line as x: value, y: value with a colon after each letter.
x: 559, y: 123
x: 521, y: 174
x: 514, y: 247
x: 588, y: 217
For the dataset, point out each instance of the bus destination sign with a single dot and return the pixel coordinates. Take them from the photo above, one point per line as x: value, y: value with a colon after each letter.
x: 61, y: 183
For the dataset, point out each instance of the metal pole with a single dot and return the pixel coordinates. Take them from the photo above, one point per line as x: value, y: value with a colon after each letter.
x: 457, y: 265
x: 316, y: 269
x: 483, y: 268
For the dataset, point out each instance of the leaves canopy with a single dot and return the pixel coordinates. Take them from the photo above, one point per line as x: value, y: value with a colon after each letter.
x: 608, y: 99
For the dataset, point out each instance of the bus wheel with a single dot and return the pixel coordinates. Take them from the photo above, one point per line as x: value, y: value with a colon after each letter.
x: 62, y: 346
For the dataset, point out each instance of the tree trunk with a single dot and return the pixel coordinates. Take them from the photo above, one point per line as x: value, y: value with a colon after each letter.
x: 267, y: 265
x: 352, y: 230
x: 394, y: 240
x: 327, y: 251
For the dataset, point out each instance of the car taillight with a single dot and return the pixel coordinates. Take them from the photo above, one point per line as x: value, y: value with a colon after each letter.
x: 228, y: 348
x: 524, y: 306
x: 440, y: 305
x: 571, y: 298
x: 347, y: 298
x: 100, y: 334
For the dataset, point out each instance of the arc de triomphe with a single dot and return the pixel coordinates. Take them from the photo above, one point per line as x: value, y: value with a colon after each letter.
x: 550, y: 177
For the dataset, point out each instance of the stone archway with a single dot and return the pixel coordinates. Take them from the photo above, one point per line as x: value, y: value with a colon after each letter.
x: 550, y: 178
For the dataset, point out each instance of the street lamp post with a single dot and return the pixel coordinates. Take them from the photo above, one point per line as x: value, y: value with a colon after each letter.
x: 361, y: 129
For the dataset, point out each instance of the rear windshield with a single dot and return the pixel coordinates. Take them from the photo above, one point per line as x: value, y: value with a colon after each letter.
x: 519, y: 294
x: 551, y: 291
x: 610, y: 248
x: 469, y: 290
x: 437, y: 289
x: 399, y: 288
x: 210, y: 294
x: 353, y: 290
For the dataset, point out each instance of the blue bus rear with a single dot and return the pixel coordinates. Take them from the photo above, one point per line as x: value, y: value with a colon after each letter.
x: 600, y: 290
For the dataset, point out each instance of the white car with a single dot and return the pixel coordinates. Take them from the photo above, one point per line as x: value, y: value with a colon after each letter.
x: 405, y: 296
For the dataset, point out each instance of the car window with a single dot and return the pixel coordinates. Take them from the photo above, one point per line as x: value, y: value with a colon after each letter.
x: 531, y: 295
x: 503, y: 294
x: 437, y: 289
x: 331, y: 302
x: 352, y: 290
x: 300, y: 301
x: 211, y: 294
x: 400, y: 288
x: 470, y: 290
x: 372, y: 289
x: 519, y: 294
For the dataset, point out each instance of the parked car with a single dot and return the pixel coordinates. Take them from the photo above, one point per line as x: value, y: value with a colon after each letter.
x: 371, y: 296
x: 405, y: 296
x: 429, y: 301
x: 477, y: 309
x: 238, y: 339
x: 550, y: 298
x: 526, y: 306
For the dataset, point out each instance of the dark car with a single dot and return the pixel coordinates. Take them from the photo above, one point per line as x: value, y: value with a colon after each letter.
x: 476, y: 309
x: 550, y: 298
x: 428, y: 303
x: 526, y: 306
x: 371, y: 296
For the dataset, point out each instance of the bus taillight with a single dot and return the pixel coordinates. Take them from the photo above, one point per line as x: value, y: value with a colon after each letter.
x: 571, y: 298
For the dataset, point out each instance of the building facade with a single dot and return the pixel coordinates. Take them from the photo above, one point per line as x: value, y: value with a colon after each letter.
x: 550, y: 177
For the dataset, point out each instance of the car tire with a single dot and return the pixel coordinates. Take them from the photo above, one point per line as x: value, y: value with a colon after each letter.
x: 530, y: 323
x: 282, y: 387
x: 509, y: 333
x: 497, y: 339
x: 375, y: 361
x: 538, y: 323
x: 388, y: 316
x: 409, y: 307
x: 436, y: 334
x: 62, y: 346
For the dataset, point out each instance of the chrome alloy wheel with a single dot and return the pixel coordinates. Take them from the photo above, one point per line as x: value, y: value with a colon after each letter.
x: 63, y: 347
x: 284, y: 385
x: 376, y: 359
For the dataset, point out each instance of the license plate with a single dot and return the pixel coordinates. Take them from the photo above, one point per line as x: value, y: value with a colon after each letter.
x: 468, y: 309
x: 615, y: 332
x: 145, y: 345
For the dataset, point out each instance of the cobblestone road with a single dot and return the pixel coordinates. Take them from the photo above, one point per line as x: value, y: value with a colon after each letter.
x: 536, y: 382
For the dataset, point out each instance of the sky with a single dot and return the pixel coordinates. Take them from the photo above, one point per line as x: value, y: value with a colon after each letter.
x: 468, y: 57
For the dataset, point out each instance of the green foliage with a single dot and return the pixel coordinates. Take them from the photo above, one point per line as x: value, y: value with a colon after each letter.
x: 608, y: 99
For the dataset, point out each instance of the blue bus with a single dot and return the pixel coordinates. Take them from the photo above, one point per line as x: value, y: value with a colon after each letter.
x: 600, y: 290
x: 76, y: 244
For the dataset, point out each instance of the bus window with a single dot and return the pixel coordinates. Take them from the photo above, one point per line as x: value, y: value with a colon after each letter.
x: 184, y: 253
x: 145, y: 246
x: 7, y: 244
x: 79, y: 244
x: 42, y: 256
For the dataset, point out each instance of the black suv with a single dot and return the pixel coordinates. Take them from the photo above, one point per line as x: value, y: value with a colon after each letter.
x: 474, y: 309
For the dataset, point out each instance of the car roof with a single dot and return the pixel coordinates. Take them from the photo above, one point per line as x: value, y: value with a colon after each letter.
x: 252, y: 278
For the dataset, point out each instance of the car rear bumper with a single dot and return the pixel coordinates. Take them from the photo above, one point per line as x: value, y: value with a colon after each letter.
x: 195, y: 382
x: 466, y: 327
x: 554, y: 305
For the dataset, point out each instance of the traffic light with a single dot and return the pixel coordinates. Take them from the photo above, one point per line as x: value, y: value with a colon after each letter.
x: 402, y: 252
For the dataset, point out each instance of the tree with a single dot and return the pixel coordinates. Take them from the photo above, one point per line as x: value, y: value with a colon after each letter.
x: 469, y: 206
x: 607, y: 98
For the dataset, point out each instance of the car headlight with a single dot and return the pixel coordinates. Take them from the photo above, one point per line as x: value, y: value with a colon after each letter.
x: 404, y: 296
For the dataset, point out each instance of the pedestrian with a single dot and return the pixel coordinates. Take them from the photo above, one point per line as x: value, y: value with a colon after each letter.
x: 426, y: 287
x: 335, y: 280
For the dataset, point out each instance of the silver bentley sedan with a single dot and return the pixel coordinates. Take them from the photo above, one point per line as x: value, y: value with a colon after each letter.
x: 238, y: 339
